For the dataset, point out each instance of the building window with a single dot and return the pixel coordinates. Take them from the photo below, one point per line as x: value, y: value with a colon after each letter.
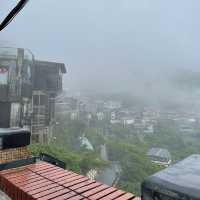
x: 36, y: 100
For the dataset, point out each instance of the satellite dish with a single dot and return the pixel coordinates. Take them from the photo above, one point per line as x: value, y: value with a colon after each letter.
x: 12, y: 14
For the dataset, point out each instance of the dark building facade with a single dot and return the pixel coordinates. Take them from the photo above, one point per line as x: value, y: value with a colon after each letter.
x: 15, y: 86
x: 28, y: 89
x: 46, y: 87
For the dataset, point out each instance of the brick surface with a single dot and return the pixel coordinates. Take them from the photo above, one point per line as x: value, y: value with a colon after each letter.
x: 43, y: 181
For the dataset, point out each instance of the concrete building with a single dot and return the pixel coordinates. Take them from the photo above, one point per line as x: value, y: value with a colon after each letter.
x: 100, y: 116
x: 28, y: 89
x: 15, y: 87
x: 110, y: 105
x: 46, y: 87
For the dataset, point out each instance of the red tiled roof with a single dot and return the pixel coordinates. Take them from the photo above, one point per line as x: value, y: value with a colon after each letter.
x: 43, y: 181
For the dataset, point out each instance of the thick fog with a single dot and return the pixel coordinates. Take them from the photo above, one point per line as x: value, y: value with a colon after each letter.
x: 134, y: 46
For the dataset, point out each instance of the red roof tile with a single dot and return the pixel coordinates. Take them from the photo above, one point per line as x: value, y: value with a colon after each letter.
x: 43, y: 181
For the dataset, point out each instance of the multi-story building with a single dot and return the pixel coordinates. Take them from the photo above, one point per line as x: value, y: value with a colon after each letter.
x: 28, y: 89
x: 47, y: 84
x: 16, y: 78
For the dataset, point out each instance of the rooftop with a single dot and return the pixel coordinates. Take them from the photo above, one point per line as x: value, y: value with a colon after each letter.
x: 181, y: 179
x: 44, y: 181
x: 48, y: 64
x: 159, y: 152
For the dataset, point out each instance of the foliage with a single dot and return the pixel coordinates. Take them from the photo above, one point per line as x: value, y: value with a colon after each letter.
x: 78, y: 162
x: 67, y: 132
x: 94, y: 136
x: 71, y: 159
x: 123, y: 145
x: 135, y: 165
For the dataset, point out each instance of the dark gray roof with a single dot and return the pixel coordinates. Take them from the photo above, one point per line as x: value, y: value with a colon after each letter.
x: 10, y: 131
x: 40, y: 63
x: 159, y: 152
x: 183, y: 177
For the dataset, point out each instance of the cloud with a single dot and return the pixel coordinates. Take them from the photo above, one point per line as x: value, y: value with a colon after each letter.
x: 115, y: 45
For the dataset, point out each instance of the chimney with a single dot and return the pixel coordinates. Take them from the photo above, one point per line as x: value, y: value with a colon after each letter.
x: 13, y: 144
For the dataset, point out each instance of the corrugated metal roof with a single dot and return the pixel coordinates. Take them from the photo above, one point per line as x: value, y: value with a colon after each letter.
x: 45, y: 181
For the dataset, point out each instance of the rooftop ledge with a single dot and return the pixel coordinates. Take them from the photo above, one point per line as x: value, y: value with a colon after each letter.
x: 44, y: 181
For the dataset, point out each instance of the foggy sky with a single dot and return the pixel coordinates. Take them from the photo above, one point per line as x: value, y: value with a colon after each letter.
x: 111, y: 45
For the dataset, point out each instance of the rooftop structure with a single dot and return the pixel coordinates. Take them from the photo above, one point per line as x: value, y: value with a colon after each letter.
x: 46, y: 87
x: 160, y: 156
x: 28, y: 89
x: 179, y: 181
x: 15, y: 86
x: 111, y: 105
